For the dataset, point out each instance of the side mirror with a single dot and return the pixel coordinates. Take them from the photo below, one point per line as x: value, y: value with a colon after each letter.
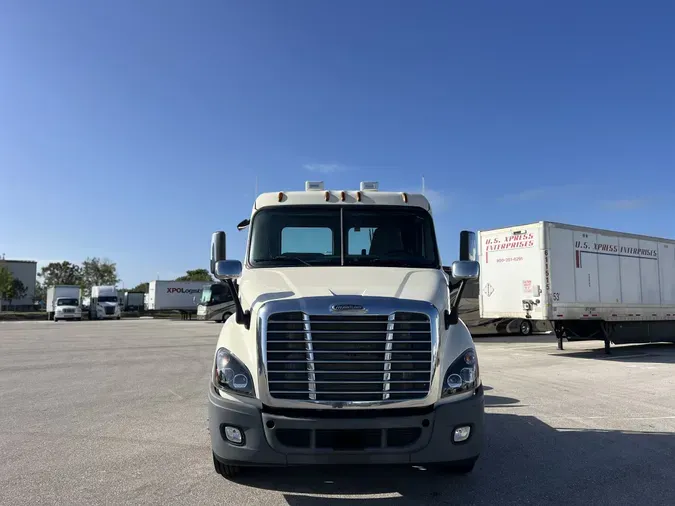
x: 227, y: 269
x: 468, y: 247
x: 465, y: 269
x: 217, y: 249
x: 243, y: 224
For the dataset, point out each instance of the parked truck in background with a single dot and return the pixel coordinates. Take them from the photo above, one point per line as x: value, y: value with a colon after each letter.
x: 174, y: 295
x: 104, y: 303
x: 64, y: 302
x: 216, y: 303
x: 133, y: 301
x: 346, y: 347
x: 588, y: 283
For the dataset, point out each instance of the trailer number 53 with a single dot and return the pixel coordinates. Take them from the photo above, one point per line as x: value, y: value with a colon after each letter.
x: 556, y: 296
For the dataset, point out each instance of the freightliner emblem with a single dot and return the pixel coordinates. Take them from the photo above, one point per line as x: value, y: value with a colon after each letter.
x: 348, y: 308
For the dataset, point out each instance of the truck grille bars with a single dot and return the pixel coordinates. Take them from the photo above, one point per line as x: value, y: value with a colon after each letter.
x: 349, y: 358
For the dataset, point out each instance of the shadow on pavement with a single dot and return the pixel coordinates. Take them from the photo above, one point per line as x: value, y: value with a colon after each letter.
x: 497, y: 401
x: 648, y: 353
x: 525, y: 461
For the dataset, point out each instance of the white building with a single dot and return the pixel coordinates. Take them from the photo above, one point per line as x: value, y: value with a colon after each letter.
x: 26, y: 271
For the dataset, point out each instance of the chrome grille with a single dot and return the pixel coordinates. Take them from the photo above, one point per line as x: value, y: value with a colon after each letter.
x: 349, y: 358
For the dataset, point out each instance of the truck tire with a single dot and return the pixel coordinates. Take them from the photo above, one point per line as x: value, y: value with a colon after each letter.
x: 525, y: 328
x: 225, y: 470
x: 224, y: 317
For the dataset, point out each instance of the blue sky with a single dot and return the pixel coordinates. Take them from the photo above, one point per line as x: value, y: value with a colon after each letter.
x: 132, y: 130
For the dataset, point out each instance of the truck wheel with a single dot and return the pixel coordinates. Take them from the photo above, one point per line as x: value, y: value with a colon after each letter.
x: 525, y: 328
x: 460, y: 466
x: 225, y: 317
x: 225, y: 470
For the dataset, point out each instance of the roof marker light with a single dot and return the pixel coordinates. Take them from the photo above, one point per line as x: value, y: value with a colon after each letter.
x: 327, y: 195
x: 369, y: 186
x: 281, y: 196
x: 405, y: 197
x: 343, y: 196
x: 358, y: 196
x: 313, y: 186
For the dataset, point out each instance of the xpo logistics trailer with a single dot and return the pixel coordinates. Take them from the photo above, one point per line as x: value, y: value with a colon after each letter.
x: 588, y: 283
x: 182, y: 296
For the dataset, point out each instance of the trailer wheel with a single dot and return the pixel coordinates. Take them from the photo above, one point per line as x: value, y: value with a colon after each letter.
x: 225, y: 470
x: 525, y: 328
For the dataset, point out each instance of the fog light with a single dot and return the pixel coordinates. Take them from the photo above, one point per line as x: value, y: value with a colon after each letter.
x: 461, y: 434
x: 234, y: 435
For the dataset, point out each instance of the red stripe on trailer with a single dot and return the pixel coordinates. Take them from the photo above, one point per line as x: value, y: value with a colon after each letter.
x: 560, y: 315
x: 486, y: 256
x: 578, y: 258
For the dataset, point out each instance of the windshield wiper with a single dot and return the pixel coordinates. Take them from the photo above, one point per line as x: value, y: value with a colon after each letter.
x: 283, y: 257
x: 393, y: 262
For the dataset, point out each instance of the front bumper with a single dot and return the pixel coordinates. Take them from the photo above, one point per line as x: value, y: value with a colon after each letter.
x: 401, y: 437
x: 68, y: 316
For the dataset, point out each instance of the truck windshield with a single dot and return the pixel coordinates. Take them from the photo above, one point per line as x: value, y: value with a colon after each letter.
x: 67, y: 302
x: 107, y: 299
x: 215, y: 294
x: 383, y: 236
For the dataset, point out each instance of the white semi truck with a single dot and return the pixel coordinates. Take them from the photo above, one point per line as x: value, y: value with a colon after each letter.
x: 588, y: 283
x: 64, y: 302
x: 346, y: 346
x: 104, y: 303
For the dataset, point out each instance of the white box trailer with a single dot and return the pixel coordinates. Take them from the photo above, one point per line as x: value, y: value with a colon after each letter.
x: 174, y: 295
x: 588, y: 283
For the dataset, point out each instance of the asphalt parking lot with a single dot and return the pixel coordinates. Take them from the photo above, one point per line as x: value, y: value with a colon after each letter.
x: 115, y: 413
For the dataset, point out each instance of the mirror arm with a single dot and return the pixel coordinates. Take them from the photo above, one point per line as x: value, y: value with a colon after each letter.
x: 452, y: 316
x: 241, y: 317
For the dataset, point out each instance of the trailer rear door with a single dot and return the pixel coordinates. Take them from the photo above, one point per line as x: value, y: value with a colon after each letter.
x: 512, y: 267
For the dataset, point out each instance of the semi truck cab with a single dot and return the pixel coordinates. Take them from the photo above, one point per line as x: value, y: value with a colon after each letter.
x: 345, y: 346
x: 104, y: 303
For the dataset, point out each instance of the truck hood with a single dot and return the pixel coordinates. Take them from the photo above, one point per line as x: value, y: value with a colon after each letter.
x: 262, y: 285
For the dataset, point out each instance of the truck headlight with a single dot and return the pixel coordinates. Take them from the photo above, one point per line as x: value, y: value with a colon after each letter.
x: 230, y: 374
x: 462, y: 375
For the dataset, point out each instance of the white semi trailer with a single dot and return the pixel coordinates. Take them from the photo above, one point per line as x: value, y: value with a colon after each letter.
x: 174, y: 295
x: 588, y: 283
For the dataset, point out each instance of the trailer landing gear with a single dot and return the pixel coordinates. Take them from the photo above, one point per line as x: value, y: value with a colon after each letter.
x: 559, y: 334
x: 607, y: 330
